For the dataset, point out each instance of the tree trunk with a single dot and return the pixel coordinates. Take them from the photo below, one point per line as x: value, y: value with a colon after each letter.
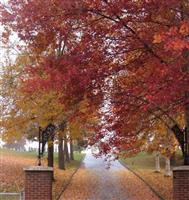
x: 173, y: 159
x: 61, y: 160
x: 185, y: 54
x: 157, y: 162
x: 186, y: 157
x: 66, y: 149
x: 71, y: 149
x: 179, y: 134
x: 50, y: 154
x: 168, y: 171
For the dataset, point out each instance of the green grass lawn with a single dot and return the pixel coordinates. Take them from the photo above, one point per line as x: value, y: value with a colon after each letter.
x: 73, y: 163
x: 33, y: 154
x: 144, y: 165
x: 10, y: 197
x: 28, y: 154
x: 146, y: 160
x: 142, y: 160
x: 12, y: 174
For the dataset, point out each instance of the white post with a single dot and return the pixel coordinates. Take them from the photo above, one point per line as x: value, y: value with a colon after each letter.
x: 157, y: 162
x: 168, y: 171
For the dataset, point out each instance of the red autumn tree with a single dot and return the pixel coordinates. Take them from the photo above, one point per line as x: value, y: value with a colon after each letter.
x: 130, y: 54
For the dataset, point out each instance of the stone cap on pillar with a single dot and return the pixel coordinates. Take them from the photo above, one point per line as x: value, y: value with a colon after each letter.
x: 39, y: 168
x: 181, y: 168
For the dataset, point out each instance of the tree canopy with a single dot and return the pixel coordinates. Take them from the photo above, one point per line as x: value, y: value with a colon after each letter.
x: 127, y: 59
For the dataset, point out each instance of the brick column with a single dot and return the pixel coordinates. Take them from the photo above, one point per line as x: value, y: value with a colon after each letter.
x: 38, y: 183
x: 181, y: 183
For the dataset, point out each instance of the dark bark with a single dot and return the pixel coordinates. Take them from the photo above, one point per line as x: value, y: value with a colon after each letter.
x: 71, y: 150
x: 185, y: 69
x: 61, y: 160
x: 50, y: 154
x: 179, y: 134
x: 66, y: 149
x: 182, y: 137
x: 173, y: 159
x: 186, y: 160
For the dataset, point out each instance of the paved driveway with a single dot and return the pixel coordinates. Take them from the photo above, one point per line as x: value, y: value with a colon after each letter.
x: 94, y: 182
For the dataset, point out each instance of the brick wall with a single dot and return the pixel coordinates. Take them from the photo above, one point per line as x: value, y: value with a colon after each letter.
x: 181, y: 183
x: 38, y: 183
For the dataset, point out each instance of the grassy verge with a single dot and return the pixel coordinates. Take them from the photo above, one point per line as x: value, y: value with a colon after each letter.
x: 12, y: 175
x: 62, y: 177
x: 144, y: 165
x: 26, y: 154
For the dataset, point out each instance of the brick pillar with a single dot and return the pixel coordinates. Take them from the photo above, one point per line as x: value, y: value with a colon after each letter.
x: 38, y: 183
x: 181, y: 183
